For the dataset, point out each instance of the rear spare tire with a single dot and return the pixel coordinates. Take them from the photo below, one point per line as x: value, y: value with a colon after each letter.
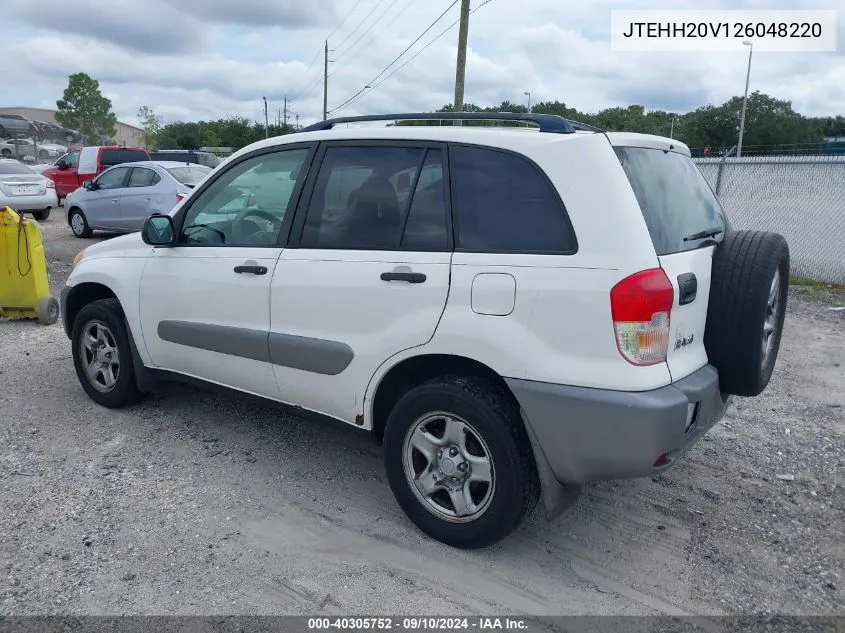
x: 748, y: 293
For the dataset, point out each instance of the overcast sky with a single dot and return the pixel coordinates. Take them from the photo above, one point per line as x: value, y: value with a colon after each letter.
x: 205, y: 59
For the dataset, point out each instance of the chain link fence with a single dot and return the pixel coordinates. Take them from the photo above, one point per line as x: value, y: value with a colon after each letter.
x: 800, y: 197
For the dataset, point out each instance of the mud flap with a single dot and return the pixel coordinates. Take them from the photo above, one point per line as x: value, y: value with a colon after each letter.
x: 143, y: 378
x: 557, y: 497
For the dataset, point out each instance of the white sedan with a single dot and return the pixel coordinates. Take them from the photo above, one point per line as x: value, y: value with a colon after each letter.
x: 22, y: 189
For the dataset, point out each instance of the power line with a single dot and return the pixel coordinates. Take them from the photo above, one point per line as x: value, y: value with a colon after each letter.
x: 419, y: 52
x: 343, y: 21
x: 320, y: 50
x: 385, y: 28
x: 369, y: 28
x: 398, y: 57
x: 367, y: 17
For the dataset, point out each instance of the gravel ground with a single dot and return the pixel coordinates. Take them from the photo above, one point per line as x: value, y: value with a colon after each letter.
x: 196, y: 503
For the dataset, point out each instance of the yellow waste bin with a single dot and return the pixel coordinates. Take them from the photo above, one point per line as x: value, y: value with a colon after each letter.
x: 24, y: 278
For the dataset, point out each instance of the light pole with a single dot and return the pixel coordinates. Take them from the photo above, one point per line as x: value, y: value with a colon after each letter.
x: 750, y: 46
x: 528, y: 94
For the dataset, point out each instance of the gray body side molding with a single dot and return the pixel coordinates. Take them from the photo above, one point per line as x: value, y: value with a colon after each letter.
x: 314, y: 355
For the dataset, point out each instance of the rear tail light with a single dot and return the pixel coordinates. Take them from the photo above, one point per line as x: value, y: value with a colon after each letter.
x: 180, y: 197
x: 641, y: 305
x: 51, y: 184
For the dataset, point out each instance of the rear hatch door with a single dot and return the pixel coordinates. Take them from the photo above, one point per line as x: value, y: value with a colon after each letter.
x: 686, y: 223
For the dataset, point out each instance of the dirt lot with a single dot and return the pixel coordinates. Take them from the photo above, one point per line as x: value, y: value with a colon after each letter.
x: 195, y: 503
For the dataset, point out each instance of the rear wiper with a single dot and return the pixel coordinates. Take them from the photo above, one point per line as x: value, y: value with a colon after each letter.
x: 705, y: 233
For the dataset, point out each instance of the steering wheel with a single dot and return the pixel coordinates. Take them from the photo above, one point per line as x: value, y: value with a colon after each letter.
x: 237, y: 223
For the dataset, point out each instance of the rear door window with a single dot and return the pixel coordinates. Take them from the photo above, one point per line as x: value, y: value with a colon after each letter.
x: 504, y: 204
x: 674, y: 197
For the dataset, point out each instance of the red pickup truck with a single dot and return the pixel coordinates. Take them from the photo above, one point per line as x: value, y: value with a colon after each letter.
x: 79, y: 165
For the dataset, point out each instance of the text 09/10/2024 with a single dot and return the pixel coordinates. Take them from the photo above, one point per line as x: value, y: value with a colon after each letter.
x: 715, y: 31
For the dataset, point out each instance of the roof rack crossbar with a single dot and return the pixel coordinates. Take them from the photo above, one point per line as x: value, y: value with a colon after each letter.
x: 546, y: 122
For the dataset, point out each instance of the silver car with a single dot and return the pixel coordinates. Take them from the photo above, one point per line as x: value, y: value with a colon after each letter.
x: 122, y: 197
x: 24, y: 190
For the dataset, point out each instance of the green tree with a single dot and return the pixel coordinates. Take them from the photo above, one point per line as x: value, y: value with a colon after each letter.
x: 151, y: 124
x: 84, y: 108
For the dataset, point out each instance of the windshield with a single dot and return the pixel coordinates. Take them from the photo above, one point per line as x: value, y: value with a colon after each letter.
x: 189, y: 174
x: 674, y: 197
x: 14, y: 167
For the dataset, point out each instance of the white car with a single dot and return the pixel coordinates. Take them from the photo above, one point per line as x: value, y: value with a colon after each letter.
x: 513, y: 312
x: 21, y: 147
x: 24, y: 190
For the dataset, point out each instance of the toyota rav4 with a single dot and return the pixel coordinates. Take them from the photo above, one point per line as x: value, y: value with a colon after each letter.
x: 512, y: 312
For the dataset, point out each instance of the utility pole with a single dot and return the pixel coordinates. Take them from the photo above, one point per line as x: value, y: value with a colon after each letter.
x: 286, y: 114
x: 297, y: 121
x: 326, y: 83
x: 461, y: 66
x: 266, y: 120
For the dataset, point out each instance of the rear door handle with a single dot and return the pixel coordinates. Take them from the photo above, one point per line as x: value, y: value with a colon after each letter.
x: 411, y: 278
x: 148, y: 198
x: 254, y: 270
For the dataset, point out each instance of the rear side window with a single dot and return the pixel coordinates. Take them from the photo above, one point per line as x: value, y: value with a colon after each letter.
x: 674, y: 197
x: 505, y: 204
x: 143, y: 178
x: 118, y: 156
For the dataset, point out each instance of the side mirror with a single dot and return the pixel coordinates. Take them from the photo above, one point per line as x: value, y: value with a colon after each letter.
x: 61, y: 164
x: 89, y: 185
x: 158, y: 230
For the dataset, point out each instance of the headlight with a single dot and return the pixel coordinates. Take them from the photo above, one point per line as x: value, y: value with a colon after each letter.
x: 79, y: 257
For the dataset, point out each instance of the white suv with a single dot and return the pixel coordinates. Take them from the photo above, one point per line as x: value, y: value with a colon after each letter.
x: 513, y: 312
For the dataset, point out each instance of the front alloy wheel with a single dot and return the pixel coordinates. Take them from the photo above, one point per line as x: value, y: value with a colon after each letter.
x: 100, y: 356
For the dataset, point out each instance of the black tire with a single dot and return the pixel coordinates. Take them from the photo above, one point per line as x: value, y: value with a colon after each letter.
x: 7, y: 153
x: 41, y: 215
x: 495, y: 418
x: 125, y: 390
x: 744, y: 269
x: 86, y: 230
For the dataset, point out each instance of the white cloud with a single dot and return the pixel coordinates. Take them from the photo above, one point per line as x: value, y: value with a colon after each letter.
x: 195, y: 59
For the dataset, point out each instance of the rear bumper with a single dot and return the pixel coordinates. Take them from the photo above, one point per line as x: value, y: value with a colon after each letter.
x: 595, y: 434
x: 31, y: 203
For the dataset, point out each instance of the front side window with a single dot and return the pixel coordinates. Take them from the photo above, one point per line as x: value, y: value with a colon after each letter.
x: 70, y: 159
x: 366, y: 197
x: 505, y: 204
x: 248, y: 203
x: 112, y: 179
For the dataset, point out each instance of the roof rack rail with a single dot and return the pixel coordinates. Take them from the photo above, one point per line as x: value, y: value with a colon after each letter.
x: 586, y: 127
x: 546, y: 122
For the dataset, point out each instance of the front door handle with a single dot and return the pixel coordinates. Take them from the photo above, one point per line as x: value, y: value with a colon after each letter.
x: 148, y: 198
x: 115, y: 200
x: 254, y: 270
x: 411, y: 278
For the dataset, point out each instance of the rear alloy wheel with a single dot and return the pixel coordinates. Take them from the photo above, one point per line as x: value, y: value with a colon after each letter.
x: 459, y: 461
x: 79, y: 225
x: 748, y: 294
x: 102, y: 355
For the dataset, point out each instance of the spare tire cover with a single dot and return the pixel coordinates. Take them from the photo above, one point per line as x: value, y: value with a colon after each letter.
x: 748, y: 293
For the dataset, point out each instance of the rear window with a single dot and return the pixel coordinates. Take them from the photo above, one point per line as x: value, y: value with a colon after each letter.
x: 674, y: 197
x: 189, y: 174
x: 118, y: 156
x: 14, y: 167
